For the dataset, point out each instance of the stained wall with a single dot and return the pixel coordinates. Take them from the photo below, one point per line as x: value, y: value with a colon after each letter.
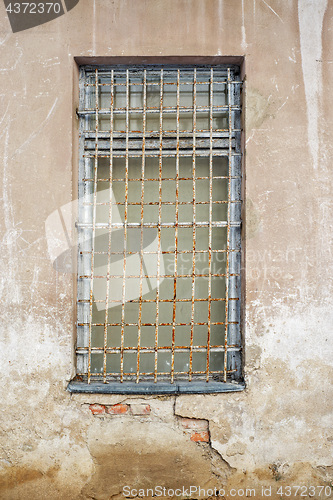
x: 278, y: 431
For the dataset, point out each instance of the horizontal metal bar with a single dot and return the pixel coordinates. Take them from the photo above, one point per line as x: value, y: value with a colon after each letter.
x: 157, y: 84
x: 117, y: 350
x: 168, y: 203
x: 147, y: 376
x: 150, y: 83
x: 167, y: 143
x: 166, y: 134
x: 170, y: 70
x: 102, y: 179
x: 196, y: 323
x: 150, y: 252
x: 148, y: 301
x: 197, y: 275
x: 153, y: 110
x: 102, y: 225
x: 165, y: 154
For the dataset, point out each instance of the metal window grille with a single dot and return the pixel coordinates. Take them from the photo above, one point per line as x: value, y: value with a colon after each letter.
x: 158, y: 305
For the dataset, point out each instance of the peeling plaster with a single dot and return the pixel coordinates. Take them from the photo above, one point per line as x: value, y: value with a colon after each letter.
x: 9, y: 282
x: 285, y: 333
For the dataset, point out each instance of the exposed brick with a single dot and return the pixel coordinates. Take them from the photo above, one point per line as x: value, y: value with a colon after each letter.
x: 140, y: 409
x: 194, y: 424
x: 117, y: 409
x: 200, y: 437
x: 97, y: 409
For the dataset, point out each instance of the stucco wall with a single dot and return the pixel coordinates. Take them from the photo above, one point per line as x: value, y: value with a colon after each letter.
x: 279, y: 430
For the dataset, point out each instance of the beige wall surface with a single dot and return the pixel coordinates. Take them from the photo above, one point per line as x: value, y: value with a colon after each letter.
x: 278, y: 432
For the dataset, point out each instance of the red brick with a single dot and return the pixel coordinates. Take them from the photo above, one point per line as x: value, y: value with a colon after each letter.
x: 140, y: 409
x: 117, y: 409
x: 200, y: 437
x: 194, y: 424
x: 97, y: 409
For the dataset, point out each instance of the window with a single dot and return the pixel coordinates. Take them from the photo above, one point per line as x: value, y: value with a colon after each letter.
x: 159, y: 240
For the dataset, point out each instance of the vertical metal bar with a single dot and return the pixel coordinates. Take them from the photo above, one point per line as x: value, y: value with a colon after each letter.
x: 176, y: 238
x: 210, y: 218
x: 141, y: 217
x: 110, y: 220
x: 125, y: 236
x: 159, y: 226
x: 227, y: 277
x: 83, y: 286
x: 194, y: 228
x: 94, y: 226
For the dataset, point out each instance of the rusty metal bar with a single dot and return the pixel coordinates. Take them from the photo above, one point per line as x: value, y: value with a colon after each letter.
x: 141, y: 218
x: 167, y: 134
x: 173, y: 110
x: 165, y: 179
x: 163, y: 324
x: 176, y: 237
x: 210, y: 221
x: 194, y: 212
x: 164, y: 252
x: 189, y: 275
x: 148, y: 301
x: 199, y: 348
x: 103, y: 225
x: 228, y: 239
x: 156, y: 84
x: 152, y: 203
x: 157, y: 70
x: 165, y: 154
x: 125, y: 234
x: 159, y: 226
x: 109, y: 235
x: 178, y: 348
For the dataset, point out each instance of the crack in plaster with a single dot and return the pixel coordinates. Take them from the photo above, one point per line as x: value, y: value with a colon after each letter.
x: 272, y: 10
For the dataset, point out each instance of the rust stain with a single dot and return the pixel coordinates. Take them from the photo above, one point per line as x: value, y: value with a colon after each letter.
x: 18, y: 476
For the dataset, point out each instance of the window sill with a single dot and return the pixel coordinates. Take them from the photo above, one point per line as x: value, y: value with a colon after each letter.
x: 199, y: 387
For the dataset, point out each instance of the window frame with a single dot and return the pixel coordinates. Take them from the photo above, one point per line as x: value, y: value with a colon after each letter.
x: 159, y: 387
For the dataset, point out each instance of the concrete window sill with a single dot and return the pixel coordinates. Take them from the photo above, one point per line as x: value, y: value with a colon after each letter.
x: 151, y: 388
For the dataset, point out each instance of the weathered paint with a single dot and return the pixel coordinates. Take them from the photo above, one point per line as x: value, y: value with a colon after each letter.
x: 279, y: 430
